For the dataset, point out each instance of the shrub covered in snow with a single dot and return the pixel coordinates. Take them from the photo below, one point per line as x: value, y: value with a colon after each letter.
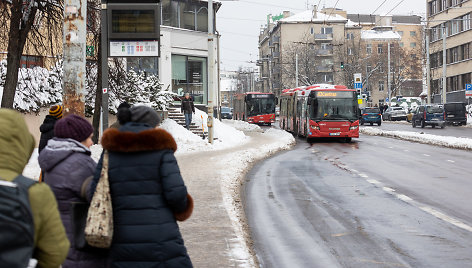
x: 38, y: 87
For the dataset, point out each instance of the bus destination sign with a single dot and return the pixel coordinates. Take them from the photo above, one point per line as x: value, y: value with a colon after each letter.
x: 260, y: 96
x: 334, y: 94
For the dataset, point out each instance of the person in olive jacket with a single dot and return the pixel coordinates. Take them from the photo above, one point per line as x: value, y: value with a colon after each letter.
x: 16, y: 146
x: 67, y: 164
x: 147, y: 192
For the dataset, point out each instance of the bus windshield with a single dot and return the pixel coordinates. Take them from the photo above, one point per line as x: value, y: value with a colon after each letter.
x: 333, y: 109
x: 256, y: 106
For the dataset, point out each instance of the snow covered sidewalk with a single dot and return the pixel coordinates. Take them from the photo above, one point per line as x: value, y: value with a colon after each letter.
x: 445, y: 141
x: 216, y: 235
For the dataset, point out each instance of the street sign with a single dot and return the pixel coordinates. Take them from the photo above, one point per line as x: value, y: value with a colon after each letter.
x: 357, y: 85
x: 468, y: 90
x: 357, y: 80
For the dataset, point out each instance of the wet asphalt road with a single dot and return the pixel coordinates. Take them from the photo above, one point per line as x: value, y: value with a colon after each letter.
x: 455, y: 131
x: 375, y: 202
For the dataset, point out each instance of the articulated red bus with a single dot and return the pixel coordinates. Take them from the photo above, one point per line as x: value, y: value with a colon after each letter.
x: 255, y: 107
x: 320, y: 110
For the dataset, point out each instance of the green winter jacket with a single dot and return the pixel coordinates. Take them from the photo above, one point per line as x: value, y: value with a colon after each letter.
x: 16, y: 147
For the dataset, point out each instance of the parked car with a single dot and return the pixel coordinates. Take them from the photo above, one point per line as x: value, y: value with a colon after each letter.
x: 456, y: 113
x: 429, y: 115
x: 394, y: 113
x: 371, y: 115
x: 226, y: 113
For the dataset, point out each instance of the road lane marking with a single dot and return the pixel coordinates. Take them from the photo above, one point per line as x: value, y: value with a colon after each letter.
x: 388, y: 189
x: 376, y: 182
x: 426, y: 155
x: 403, y: 197
x: 363, y: 175
x: 446, y: 218
x: 452, y: 161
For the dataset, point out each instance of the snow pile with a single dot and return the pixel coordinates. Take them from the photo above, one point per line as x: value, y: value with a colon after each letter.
x: 243, y: 126
x: 446, y: 141
x: 186, y: 140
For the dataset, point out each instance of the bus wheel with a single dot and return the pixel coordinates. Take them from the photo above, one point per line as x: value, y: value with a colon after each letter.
x: 348, y: 139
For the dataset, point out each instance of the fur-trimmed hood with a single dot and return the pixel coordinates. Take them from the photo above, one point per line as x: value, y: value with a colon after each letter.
x: 152, y: 139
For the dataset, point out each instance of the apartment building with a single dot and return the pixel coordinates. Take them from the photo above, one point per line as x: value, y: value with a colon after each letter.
x: 404, y: 34
x: 448, y: 22
x: 329, y: 48
x: 302, y: 44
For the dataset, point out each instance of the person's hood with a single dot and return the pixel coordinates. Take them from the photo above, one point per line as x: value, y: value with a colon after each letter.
x: 48, y: 124
x: 135, y: 137
x: 58, y: 150
x: 16, y: 142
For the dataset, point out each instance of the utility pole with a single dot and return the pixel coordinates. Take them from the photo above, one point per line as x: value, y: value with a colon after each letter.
x: 428, y: 71
x: 104, y: 64
x: 296, y: 70
x: 388, y: 75
x: 443, y: 98
x: 211, y: 70
x: 74, y: 40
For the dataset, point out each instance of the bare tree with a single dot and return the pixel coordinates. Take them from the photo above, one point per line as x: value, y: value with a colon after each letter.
x: 32, y: 22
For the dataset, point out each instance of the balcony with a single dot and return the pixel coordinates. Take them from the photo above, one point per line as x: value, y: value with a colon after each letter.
x: 324, y: 52
x: 323, y: 37
x: 324, y: 68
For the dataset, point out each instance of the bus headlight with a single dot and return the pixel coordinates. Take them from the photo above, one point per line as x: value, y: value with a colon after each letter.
x: 353, y: 127
x: 315, y: 127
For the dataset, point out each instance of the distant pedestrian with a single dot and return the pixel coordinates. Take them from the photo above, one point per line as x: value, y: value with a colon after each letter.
x: 67, y: 164
x: 47, y: 128
x: 187, y: 108
x: 147, y: 192
x: 42, y: 236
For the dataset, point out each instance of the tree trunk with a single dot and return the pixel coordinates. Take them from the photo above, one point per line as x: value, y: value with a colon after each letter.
x: 98, y: 96
x: 16, y: 44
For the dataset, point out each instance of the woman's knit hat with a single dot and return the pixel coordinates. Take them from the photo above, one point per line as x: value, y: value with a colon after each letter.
x: 56, y: 111
x: 73, y: 126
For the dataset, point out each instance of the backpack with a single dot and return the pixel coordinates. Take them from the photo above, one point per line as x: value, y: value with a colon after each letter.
x: 16, y: 223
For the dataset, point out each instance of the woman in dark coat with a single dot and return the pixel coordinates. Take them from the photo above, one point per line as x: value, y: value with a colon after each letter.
x: 47, y: 127
x: 67, y: 164
x: 147, y: 192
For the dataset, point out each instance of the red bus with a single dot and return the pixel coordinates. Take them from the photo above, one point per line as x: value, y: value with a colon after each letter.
x: 255, y: 107
x: 319, y: 111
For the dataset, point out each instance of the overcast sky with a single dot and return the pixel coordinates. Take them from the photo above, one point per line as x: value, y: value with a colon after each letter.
x: 240, y: 21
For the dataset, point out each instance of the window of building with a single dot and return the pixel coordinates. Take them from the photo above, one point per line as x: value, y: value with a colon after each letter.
x: 466, y: 22
x: 413, y: 56
x: 413, y: 44
x: 455, y: 26
x: 381, y: 85
x: 400, y: 33
x: 412, y: 33
x: 312, y: 31
x: 349, y: 51
x: 369, y: 48
x: 380, y: 48
x: 187, y: 15
x: 189, y: 74
x: 350, y: 36
x: 28, y: 61
x: 369, y: 68
x: 381, y: 68
x: 401, y: 44
x: 326, y: 30
x: 170, y: 13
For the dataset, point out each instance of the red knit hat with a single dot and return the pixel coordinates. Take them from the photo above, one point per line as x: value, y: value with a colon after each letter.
x: 73, y: 126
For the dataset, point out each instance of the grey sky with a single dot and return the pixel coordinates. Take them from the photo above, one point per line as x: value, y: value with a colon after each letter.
x: 240, y: 21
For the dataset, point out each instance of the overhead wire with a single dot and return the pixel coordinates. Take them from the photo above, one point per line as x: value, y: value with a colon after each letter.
x: 379, y: 6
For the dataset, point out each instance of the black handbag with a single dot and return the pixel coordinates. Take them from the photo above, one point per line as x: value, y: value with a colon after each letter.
x: 79, y: 211
x: 79, y: 218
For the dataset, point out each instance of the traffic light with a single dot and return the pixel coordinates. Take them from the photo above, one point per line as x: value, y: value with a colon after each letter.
x: 342, y: 65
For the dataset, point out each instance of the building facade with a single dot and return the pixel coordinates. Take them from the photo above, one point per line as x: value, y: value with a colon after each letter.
x: 327, y: 47
x: 449, y: 20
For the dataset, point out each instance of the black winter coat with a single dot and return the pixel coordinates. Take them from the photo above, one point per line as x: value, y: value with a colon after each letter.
x: 47, y: 131
x: 148, y: 195
x: 187, y: 106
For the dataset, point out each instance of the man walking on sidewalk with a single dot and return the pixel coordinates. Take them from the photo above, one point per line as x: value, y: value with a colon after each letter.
x: 187, y: 108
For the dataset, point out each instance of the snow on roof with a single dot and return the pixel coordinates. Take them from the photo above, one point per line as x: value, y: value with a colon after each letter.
x: 380, y: 35
x: 307, y: 16
x: 352, y: 24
